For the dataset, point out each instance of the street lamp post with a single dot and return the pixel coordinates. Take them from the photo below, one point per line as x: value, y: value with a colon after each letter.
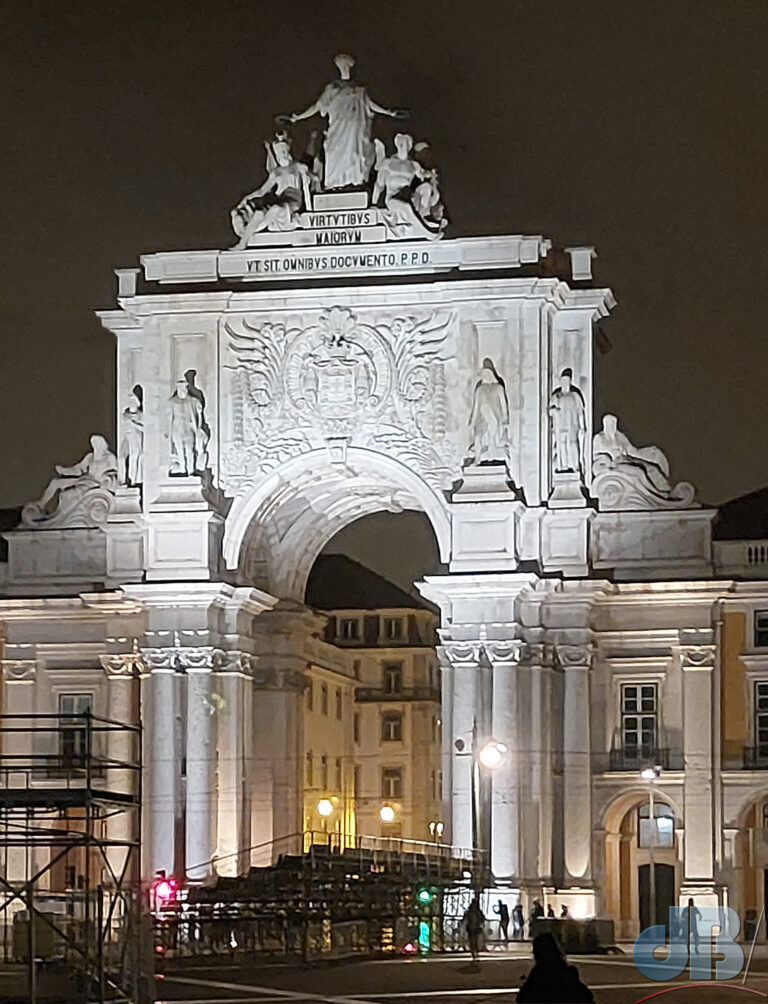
x: 489, y: 756
x: 650, y: 774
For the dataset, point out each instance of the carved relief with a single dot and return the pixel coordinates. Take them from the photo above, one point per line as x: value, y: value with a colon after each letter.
x: 338, y: 382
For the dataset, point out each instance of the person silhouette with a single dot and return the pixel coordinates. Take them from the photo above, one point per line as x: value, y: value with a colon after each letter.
x: 552, y: 980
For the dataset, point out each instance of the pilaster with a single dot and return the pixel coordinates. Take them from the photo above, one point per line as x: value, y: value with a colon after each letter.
x: 697, y: 662
x: 576, y: 661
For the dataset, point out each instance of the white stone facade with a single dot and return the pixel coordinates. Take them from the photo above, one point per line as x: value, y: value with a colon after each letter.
x: 287, y: 389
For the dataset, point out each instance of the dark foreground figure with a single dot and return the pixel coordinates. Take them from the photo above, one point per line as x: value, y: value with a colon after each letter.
x: 552, y: 980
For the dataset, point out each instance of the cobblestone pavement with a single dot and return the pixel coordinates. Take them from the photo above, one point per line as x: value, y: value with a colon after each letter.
x: 451, y: 979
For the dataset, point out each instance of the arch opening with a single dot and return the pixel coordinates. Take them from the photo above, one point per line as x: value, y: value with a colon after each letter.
x: 276, y: 530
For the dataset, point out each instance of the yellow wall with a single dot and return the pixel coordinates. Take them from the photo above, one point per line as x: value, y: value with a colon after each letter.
x: 734, y: 701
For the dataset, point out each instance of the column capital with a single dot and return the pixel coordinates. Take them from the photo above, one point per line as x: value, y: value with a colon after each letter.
x: 123, y: 664
x: 478, y: 651
x: 569, y: 656
x: 19, y: 670
x: 234, y: 661
x: 695, y: 658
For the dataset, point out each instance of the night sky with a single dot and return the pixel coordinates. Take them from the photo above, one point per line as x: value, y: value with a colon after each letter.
x: 130, y: 127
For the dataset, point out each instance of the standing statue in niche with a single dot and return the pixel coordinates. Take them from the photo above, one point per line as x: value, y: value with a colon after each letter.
x: 489, y: 418
x: 132, y: 442
x: 348, y: 148
x: 411, y: 196
x: 287, y: 188
x: 569, y: 424
x: 189, y: 432
x: 96, y: 473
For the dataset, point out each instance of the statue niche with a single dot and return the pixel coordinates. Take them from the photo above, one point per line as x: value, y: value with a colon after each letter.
x: 189, y: 431
x: 633, y: 477
x: 489, y: 419
x: 568, y: 416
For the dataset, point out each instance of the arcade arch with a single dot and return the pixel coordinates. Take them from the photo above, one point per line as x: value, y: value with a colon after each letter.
x: 628, y: 856
x: 275, y: 532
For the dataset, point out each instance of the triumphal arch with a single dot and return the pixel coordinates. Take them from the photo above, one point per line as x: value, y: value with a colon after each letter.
x: 348, y: 355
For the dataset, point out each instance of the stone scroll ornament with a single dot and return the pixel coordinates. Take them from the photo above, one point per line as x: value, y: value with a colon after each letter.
x: 79, y: 496
x: 189, y: 432
x: 627, y: 477
x: 348, y: 149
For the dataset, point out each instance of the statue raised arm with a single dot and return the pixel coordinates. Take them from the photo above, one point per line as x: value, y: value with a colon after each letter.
x: 349, y: 153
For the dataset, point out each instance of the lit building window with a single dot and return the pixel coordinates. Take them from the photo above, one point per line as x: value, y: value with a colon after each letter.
x: 73, y: 737
x: 639, y: 719
x: 393, y: 628
x: 392, y: 727
x: 761, y: 628
x: 349, y: 629
x: 761, y: 718
x: 662, y: 834
x: 392, y: 782
x: 393, y: 677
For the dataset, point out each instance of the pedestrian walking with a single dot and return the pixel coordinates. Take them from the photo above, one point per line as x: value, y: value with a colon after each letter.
x: 693, y: 916
x: 550, y: 912
x: 552, y: 980
x: 564, y: 915
x: 518, y: 922
x: 474, y: 923
x: 537, y: 912
x: 502, y: 911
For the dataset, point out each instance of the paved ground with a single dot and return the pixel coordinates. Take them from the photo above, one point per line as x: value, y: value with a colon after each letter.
x: 613, y: 979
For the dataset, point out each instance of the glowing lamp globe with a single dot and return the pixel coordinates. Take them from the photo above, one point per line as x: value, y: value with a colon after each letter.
x: 325, y: 807
x: 492, y: 754
x: 386, y: 814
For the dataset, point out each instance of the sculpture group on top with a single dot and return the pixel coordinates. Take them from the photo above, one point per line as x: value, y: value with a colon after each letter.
x: 352, y: 163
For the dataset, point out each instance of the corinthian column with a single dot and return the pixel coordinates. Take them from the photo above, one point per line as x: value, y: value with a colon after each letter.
x: 200, y: 801
x: 123, y: 672
x: 577, y: 768
x: 505, y: 797
x: 160, y: 761
x: 463, y: 658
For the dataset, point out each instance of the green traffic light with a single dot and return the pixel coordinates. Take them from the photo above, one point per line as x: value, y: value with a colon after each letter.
x: 425, y: 896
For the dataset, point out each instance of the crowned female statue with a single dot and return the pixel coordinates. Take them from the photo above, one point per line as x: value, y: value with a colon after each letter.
x: 349, y: 153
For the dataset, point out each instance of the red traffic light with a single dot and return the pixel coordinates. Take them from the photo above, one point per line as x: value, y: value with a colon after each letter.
x: 164, y: 891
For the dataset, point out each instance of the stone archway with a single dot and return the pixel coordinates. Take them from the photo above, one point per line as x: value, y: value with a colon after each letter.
x: 624, y: 858
x: 275, y: 532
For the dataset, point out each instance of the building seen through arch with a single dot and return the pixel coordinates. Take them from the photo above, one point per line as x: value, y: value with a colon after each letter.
x: 345, y: 357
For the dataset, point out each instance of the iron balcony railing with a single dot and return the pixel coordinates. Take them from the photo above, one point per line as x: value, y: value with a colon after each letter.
x: 636, y: 758
x: 418, y: 693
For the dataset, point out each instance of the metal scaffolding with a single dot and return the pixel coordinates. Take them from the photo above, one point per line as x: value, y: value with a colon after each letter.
x: 70, y: 858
